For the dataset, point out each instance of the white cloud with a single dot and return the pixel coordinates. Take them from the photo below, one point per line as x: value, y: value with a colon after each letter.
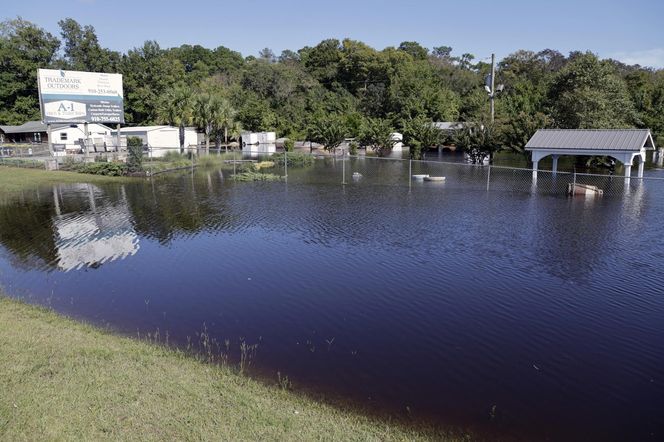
x: 653, y: 58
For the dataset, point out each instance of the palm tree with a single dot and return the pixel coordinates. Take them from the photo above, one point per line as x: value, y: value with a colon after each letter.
x: 205, y: 113
x: 176, y: 108
x: 225, y: 119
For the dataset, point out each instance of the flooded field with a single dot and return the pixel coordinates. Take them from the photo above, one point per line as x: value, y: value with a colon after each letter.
x: 508, y: 313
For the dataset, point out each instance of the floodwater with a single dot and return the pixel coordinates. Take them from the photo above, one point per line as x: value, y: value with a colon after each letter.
x: 506, y: 313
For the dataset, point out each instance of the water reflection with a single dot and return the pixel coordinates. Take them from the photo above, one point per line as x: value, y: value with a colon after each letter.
x: 91, y: 237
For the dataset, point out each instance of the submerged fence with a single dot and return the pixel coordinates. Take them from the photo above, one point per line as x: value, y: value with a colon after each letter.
x: 344, y: 169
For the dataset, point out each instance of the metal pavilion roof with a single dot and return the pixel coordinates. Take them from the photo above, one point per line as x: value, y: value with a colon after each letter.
x: 592, y: 139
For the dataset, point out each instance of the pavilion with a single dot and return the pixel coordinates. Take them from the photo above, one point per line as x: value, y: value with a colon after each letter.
x: 622, y: 144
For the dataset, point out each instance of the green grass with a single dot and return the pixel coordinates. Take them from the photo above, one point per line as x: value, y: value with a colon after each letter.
x: 14, y: 179
x: 255, y: 176
x: 64, y: 380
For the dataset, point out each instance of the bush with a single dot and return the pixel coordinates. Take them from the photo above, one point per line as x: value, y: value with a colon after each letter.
x: 353, y: 147
x: 69, y: 163
x: 295, y: 159
x: 289, y: 145
x: 107, y: 169
x: 135, y: 158
x: 173, y: 156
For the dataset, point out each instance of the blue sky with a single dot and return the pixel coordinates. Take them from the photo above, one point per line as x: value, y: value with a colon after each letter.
x: 630, y: 31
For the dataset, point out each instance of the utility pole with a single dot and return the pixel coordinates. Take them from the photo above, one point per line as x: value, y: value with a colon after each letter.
x: 493, y: 78
x: 490, y: 85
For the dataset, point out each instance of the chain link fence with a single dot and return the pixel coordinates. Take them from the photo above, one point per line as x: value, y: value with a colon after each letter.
x: 320, y: 167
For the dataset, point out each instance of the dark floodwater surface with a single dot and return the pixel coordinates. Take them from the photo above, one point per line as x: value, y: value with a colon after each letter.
x: 507, y: 313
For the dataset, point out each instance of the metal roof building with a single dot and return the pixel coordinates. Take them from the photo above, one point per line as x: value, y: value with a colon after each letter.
x: 622, y: 144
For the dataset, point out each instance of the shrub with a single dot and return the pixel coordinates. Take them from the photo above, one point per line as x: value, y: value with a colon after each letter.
x: 134, y: 142
x: 173, y: 156
x: 108, y: 169
x: 353, y: 147
x: 135, y: 154
x: 295, y: 159
x: 289, y: 145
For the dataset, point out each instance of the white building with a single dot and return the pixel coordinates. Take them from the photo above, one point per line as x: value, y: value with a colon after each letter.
x: 64, y: 137
x: 255, y: 143
x: 161, y: 139
x: 72, y: 137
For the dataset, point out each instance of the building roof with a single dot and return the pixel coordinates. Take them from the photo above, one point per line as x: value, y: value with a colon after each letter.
x: 589, y: 139
x: 29, y: 127
x: 145, y: 128
x: 37, y: 126
x: 151, y: 128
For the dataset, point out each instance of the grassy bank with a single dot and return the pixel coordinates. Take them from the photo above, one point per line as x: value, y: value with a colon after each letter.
x: 15, y: 179
x: 60, y: 379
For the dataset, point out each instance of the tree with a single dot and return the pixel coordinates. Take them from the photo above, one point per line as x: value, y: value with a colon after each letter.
x: 204, y: 114
x: 421, y: 133
x: 225, y: 120
x: 267, y: 54
x: 287, y: 56
x: 82, y: 51
x: 322, y: 60
x: 588, y: 94
x: 24, y: 48
x: 176, y: 108
x: 521, y: 128
x: 417, y: 51
x: 443, y: 53
x: 148, y: 73
x: 479, y: 141
x: 376, y: 133
x: 328, y: 130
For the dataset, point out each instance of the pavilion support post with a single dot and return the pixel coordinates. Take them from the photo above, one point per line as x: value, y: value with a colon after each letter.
x: 535, y: 163
x: 554, y: 168
x: 641, y: 168
x: 628, y: 173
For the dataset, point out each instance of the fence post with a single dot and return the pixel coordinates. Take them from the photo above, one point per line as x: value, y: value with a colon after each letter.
x: 488, y: 178
x: 343, y: 167
x: 410, y: 173
x: 286, y: 164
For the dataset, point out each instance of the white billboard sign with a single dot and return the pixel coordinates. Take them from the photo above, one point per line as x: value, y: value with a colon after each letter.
x: 80, y: 97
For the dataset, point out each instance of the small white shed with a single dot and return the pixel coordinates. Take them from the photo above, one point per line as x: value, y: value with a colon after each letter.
x: 255, y: 143
x: 161, y: 139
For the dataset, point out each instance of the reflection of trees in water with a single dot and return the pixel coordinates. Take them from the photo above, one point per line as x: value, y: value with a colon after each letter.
x: 27, y: 232
x: 187, y: 204
x: 67, y: 227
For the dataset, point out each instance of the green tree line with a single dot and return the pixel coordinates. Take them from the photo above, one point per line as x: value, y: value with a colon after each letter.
x: 338, y: 89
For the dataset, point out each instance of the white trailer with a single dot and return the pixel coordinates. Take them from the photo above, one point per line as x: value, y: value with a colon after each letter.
x: 160, y: 140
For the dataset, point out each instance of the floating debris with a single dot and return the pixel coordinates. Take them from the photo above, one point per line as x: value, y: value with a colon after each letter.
x: 583, y: 190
